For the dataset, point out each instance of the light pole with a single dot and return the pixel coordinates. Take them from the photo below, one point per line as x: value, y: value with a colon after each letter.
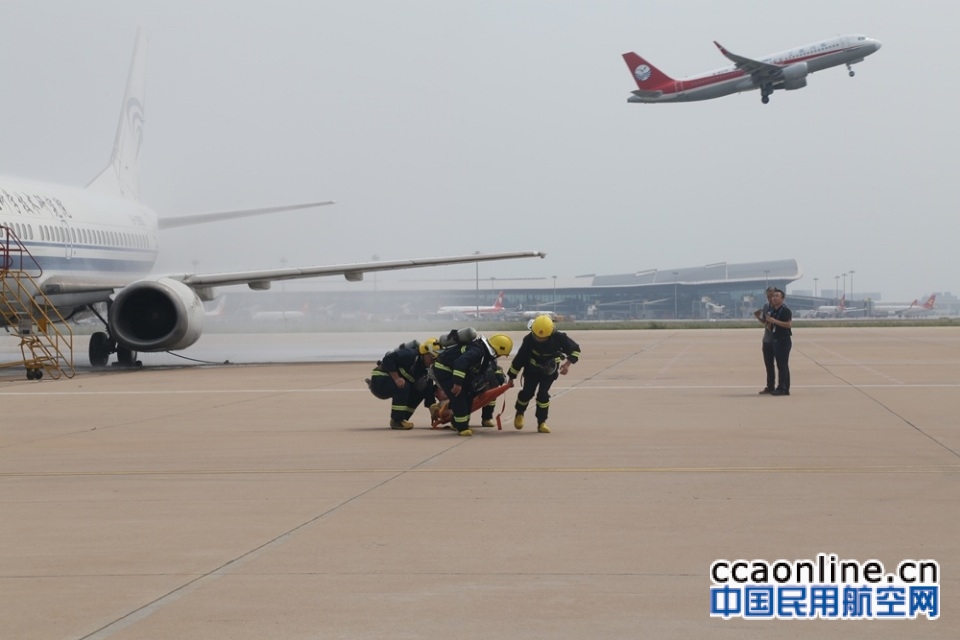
x: 815, y: 287
x: 283, y: 293
x: 766, y: 280
x: 675, y: 315
x: 477, y: 277
x: 851, y: 284
x: 375, y: 258
x: 554, y: 295
x: 836, y: 290
x: 844, y: 286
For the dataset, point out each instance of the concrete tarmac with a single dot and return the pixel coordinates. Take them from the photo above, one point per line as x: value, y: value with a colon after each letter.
x: 272, y: 501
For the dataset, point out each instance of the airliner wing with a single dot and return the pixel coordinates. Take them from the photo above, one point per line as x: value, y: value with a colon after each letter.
x: 201, y: 218
x: 748, y: 65
x: 352, y: 271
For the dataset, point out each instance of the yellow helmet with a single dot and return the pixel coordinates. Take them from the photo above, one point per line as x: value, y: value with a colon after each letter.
x: 501, y: 344
x: 542, y: 327
x: 431, y: 346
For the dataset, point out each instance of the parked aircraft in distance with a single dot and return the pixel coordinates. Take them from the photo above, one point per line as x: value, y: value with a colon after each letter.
x: 838, y: 310
x: 474, y: 311
x: 906, y: 310
x: 282, y: 315
x: 786, y: 70
x: 99, y: 244
x: 536, y: 314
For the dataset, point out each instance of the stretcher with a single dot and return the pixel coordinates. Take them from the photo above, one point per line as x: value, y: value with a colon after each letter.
x: 443, y: 415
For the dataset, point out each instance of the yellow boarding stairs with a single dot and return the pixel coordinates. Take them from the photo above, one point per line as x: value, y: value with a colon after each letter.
x: 46, y: 340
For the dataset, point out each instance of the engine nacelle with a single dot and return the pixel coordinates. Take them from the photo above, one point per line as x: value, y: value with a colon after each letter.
x: 156, y: 315
x: 795, y: 76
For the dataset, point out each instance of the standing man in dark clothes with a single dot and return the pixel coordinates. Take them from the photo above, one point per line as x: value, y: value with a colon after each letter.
x: 539, y: 356
x: 768, y: 358
x: 780, y: 321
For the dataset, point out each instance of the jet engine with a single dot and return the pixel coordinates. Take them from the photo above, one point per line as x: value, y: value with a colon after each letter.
x: 795, y: 76
x: 156, y: 315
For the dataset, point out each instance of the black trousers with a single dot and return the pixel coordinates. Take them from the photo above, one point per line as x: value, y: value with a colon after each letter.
x: 781, y: 353
x: 535, y: 381
x: 768, y: 360
x: 460, y: 404
x: 405, y: 400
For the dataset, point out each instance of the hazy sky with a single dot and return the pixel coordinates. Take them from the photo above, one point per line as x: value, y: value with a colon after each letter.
x: 446, y: 127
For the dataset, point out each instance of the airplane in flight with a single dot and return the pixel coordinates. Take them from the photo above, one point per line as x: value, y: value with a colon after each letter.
x: 787, y: 70
x: 98, y: 244
x: 474, y: 311
x: 913, y: 309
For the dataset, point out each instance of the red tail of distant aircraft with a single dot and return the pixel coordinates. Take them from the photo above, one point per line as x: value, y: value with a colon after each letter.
x: 903, y: 310
x: 786, y: 70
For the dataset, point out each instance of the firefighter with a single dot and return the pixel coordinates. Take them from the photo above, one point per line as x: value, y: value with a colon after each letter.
x: 464, y: 371
x: 539, y: 356
x: 401, y: 375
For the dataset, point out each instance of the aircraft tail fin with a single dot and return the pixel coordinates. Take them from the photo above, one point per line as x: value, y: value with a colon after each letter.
x: 121, y: 177
x: 647, y: 76
x: 499, y: 302
x: 930, y: 302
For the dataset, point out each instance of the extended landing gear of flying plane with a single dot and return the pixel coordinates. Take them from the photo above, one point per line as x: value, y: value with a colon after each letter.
x: 765, y: 92
x: 850, y: 69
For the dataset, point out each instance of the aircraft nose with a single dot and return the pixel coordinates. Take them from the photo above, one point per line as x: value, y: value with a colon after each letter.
x: 876, y: 45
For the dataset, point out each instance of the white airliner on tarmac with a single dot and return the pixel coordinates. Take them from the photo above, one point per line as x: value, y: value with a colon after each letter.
x: 915, y: 308
x: 98, y: 244
x: 784, y: 70
x: 474, y: 311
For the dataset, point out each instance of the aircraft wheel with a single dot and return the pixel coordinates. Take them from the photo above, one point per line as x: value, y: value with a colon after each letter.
x: 34, y: 374
x: 99, y: 350
x: 852, y: 73
x: 765, y: 99
x: 127, y: 358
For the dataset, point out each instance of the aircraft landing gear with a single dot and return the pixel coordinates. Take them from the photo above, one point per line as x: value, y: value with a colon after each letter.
x: 127, y: 358
x: 850, y: 69
x: 102, y: 345
x: 766, y: 91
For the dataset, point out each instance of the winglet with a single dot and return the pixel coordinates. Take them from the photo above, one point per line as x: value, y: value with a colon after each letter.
x: 723, y: 50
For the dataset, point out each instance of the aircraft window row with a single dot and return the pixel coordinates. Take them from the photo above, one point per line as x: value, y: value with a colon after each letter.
x: 22, y: 231
x: 81, y: 235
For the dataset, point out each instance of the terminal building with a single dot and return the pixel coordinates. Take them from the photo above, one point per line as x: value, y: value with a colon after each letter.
x: 713, y: 291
